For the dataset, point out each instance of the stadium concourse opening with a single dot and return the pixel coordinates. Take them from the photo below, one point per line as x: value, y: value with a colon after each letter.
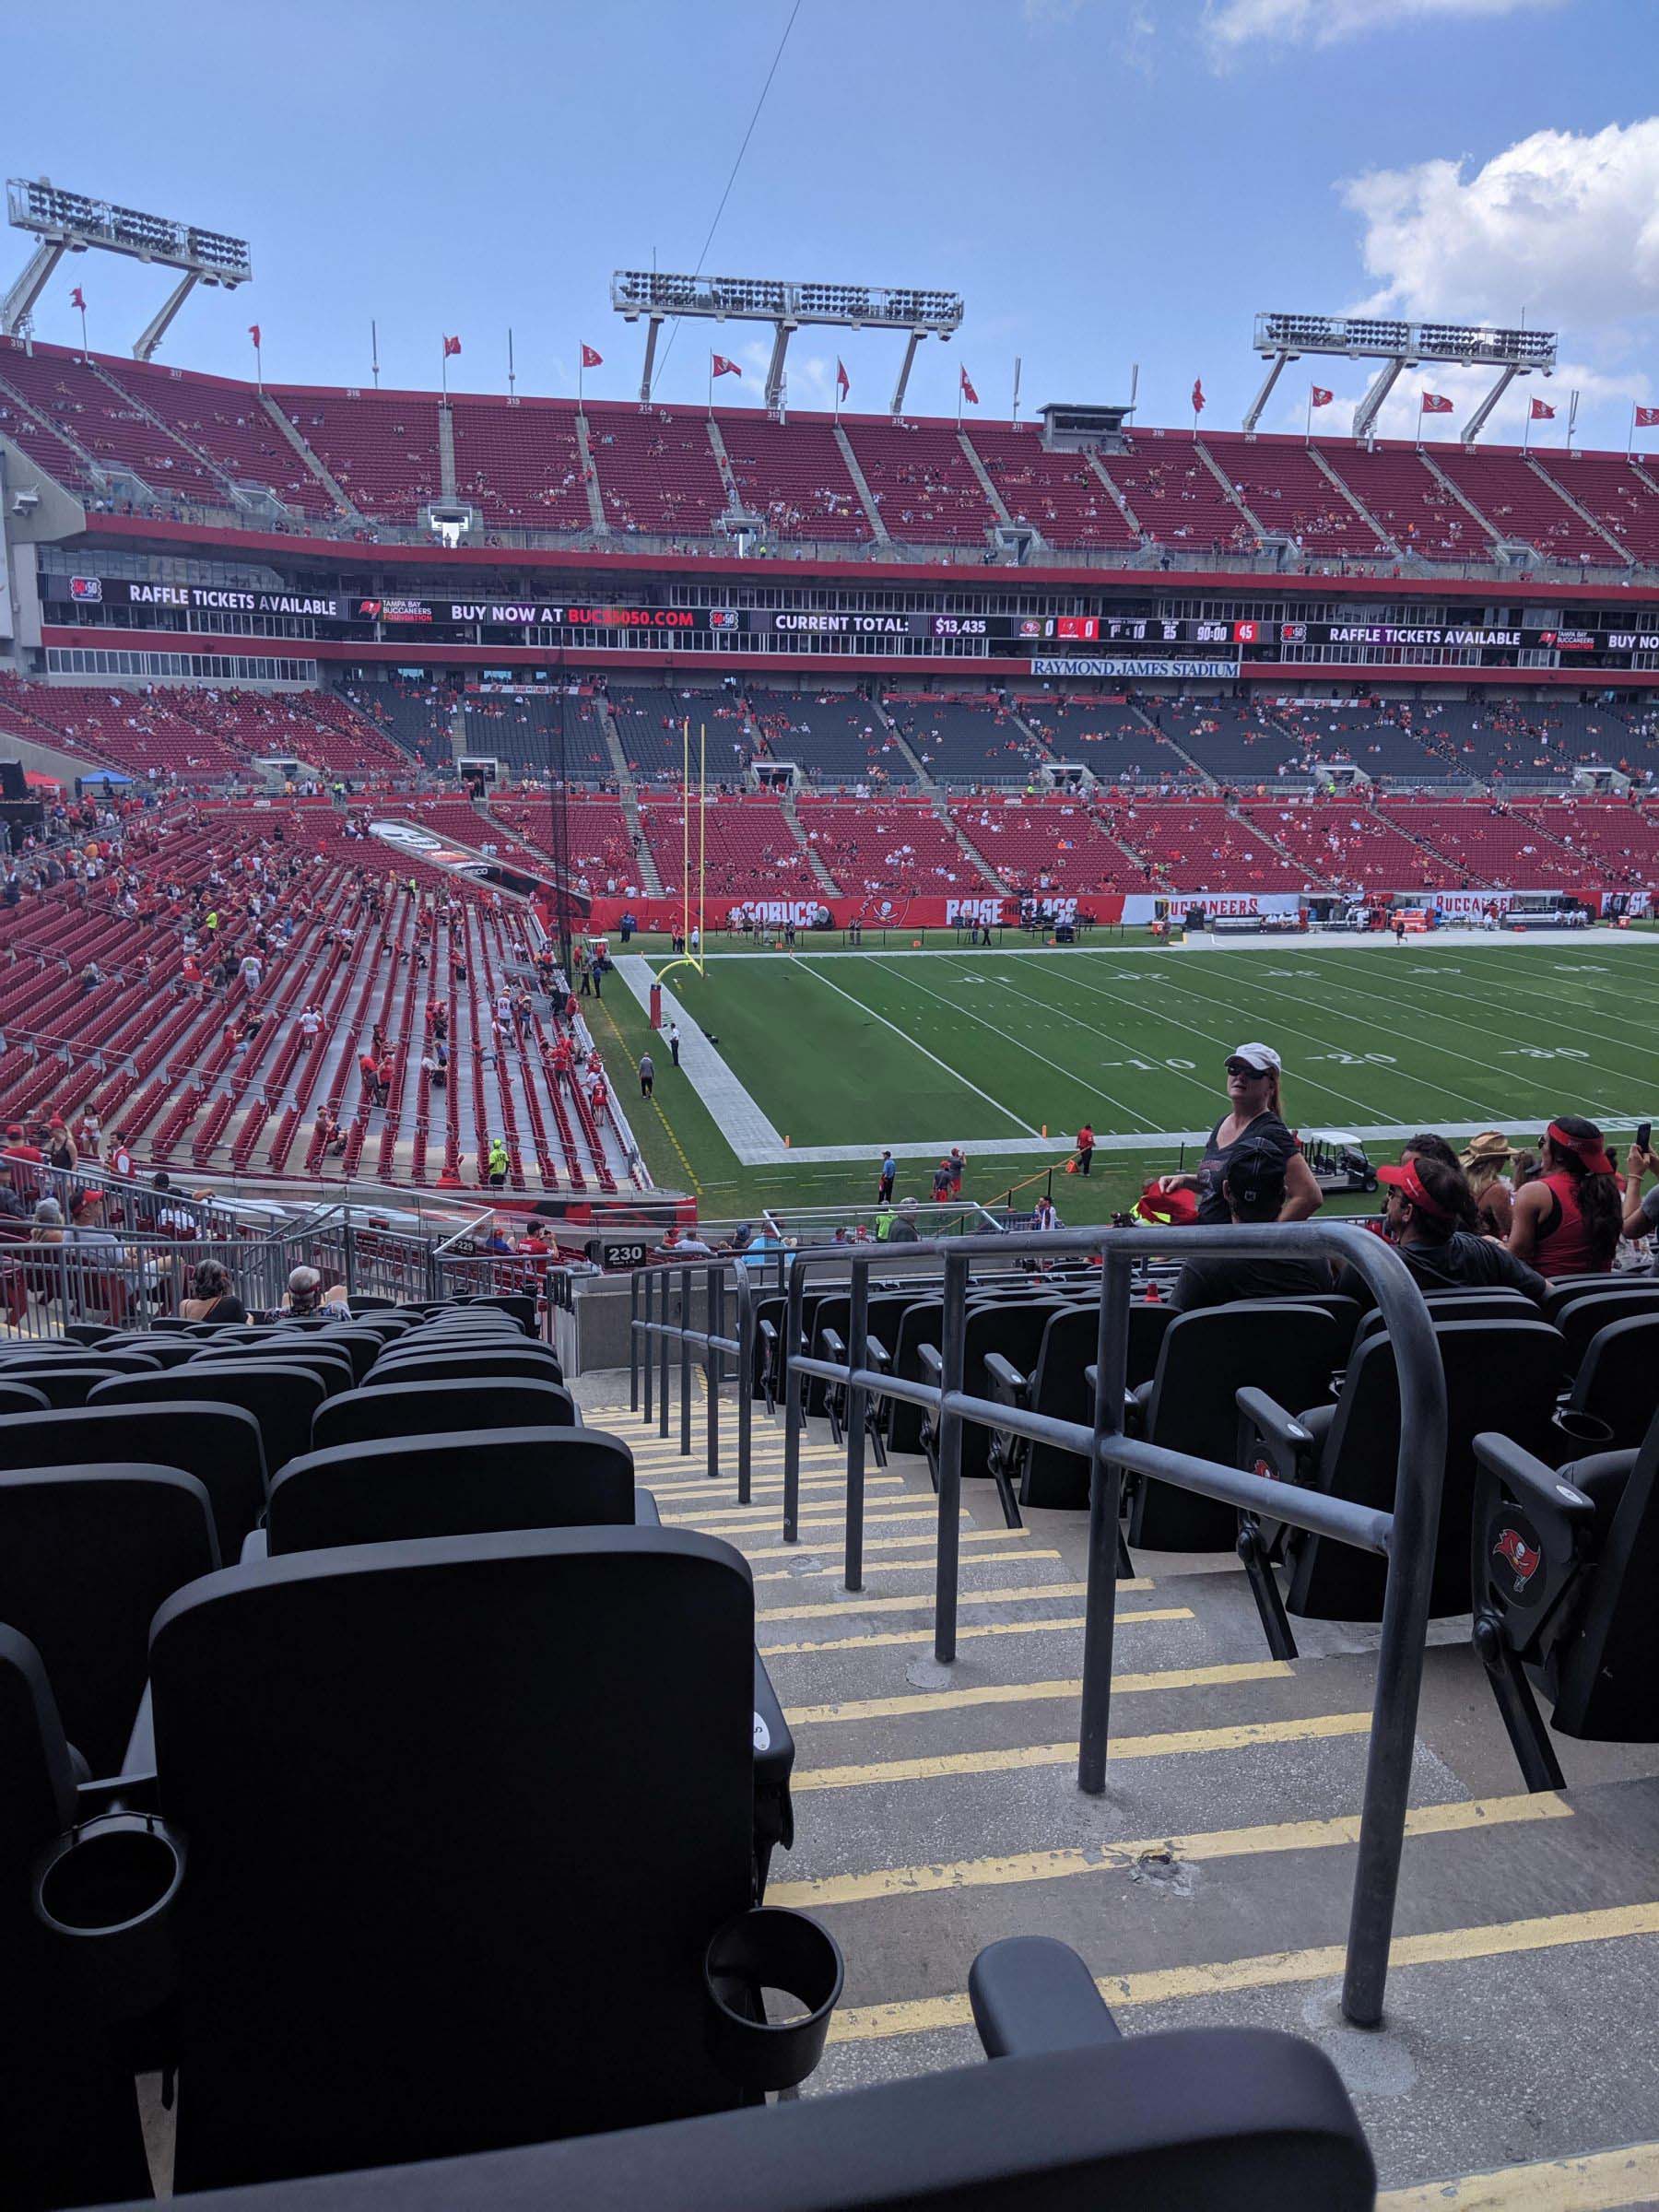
x: 608, y: 1352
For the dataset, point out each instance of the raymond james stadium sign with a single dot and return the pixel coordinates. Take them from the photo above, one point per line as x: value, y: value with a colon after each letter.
x: 1136, y: 664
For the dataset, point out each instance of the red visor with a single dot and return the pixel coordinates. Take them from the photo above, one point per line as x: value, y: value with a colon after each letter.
x: 1591, y: 1151
x: 1407, y: 1179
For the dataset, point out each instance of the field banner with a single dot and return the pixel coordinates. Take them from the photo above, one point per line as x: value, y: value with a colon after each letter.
x: 763, y: 915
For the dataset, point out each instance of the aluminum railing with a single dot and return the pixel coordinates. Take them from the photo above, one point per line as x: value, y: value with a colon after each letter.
x: 1405, y: 1537
x: 646, y: 1336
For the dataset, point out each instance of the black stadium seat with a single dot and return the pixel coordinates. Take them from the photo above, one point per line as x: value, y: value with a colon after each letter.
x: 424, y: 1408
x: 283, y: 1400
x: 87, y: 1555
x: 219, y: 1444
x: 1058, y: 1385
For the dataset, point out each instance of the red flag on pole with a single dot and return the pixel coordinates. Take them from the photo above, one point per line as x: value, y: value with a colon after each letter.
x: 1197, y: 396
x: 842, y: 383
x: 591, y: 359
x: 78, y: 299
x: 1436, y: 402
x: 1647, y: 419
x: 253, y: 333
x: 451, y: 346
x: 1541, y: 412
x: 724, y: 368
x: 969, y: 393
x: 1321, y: 397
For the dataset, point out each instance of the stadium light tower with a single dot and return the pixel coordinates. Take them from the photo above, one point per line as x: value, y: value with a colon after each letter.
x: 66, y: 222
x: 656, y: 295
x: 1398, y: 346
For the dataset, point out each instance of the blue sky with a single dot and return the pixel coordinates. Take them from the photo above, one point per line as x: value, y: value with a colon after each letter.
x: 1107, y: 181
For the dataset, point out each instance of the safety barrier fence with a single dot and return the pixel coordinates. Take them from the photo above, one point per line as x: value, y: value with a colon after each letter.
x: 1405, y: 1537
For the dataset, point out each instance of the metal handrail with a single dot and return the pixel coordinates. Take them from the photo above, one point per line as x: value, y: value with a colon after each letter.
x: 1406, y: 1538
x: 715, y: 1345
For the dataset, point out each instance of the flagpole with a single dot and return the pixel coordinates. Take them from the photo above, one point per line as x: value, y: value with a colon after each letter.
x: 1630, y: 441
x: 711, y: 418
x: 1526, y: 430
x: 510, y: 394
x: 375, y: 351
x: 1016, y: 391
x: 83, y: 317
x: 443, y: 372
x: 580, y: 363
x: 1308, y: 420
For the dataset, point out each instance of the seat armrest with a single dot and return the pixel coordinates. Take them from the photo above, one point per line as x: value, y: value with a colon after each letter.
x: 933, y: 1365
x: 1532, y: 1532
x: 1009, y: 1386
x: 1286, y: 1445
x: 1032, y: 1995
x: 645, y: 1509
x: 880, y: 1359
x: 1132, y: 1401
x: 256, y: 1545
x: 831, y: 1347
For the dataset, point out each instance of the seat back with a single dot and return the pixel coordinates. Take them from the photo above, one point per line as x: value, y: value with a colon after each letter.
x: 1567, y: 1289
x: 1618, y: 1380
x: 1460, y: 1305
x: 68, y: 2118
x: 1015, y: 1329
x: 1060, y: 1388
x: 1606, y: 1673
x: 22, y: 1397
x: 87, y: 1555
x: 1501, y: 1375
x: 1286, y: 1348
x: 524, y: 1365
x: 68, y: 1382
x: 455, y: 1764
x: 918, y: 1325
x: 1581, y: 1318
x: 328, y: 1361
x: 429, y: 1408
x: 282, y: 1399
x: 218, y: 1444
x: 457, y: 1483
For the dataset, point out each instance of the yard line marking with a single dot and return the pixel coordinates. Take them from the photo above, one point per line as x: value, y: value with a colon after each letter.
x: 1555, y: 1931
x: 1084, y: 1077
x: 946, y: 1765
x: 968, y: 1536
x: 1020, y: 1693
x: 887, y: 1641
x: 978, y: 1558
x: 1604, y: 2181
x: 856, y: 1602
x: 1455, y: 1818
x: 954, y: 1073
x: 1537, y: 1014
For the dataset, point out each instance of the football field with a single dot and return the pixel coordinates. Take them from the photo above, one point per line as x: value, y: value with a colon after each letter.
x: 1007, y: 1053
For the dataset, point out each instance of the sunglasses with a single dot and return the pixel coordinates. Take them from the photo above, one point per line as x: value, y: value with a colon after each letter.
x: 1242, y: 1067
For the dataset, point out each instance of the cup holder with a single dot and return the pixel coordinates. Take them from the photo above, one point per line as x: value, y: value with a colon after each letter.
x: 1584, y: 1431
x: 106, y: 1891
x: 762, y: 1950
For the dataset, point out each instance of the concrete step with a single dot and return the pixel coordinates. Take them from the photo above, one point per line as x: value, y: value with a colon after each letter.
x: 936, y: 1809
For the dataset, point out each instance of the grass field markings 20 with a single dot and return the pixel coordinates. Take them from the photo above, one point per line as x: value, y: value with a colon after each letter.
x: 956, y: 1074
x: 1084, y: 1078
x: 1222, y: 1045
x: 1528, y: 1014
x: 1368, y: 1023
x: 1187, y: 1073
x: 1537, y: 1011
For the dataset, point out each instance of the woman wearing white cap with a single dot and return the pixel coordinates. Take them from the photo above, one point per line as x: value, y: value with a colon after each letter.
x: 1253, y: 1101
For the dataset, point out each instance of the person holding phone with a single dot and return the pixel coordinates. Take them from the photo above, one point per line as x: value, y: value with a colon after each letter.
x: 1640, y: 1214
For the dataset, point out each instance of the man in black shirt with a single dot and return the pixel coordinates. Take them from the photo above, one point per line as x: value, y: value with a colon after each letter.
x: 1423, y: 1210
x: 1254, y: 1187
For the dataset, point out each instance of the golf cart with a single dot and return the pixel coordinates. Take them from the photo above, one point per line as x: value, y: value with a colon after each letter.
x: 1338, y: 1160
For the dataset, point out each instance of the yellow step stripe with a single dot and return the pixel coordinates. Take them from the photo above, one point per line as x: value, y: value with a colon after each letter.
x: 1605, y: 2181
x: 968, y: 1536
x: 698, y: 1485
x: 977, y: 1558
x: 1500, y: 1939
x: 1219, y: 1844
x: 768, y: 1518
x: 859, y: 1604
x: 1020, y: 1693
x: 1014, y: 1758
x: 999, y: 1628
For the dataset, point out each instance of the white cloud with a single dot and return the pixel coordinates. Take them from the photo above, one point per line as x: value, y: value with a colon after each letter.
x: 1566, y: 227
x: 1230, y: 25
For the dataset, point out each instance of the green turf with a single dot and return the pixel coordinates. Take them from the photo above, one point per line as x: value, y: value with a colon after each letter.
x: 981, y: 1047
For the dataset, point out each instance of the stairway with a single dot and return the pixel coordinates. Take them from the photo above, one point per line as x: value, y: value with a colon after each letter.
x: 936, y: 1809
x: 1355, y: 502
x: 650, y: 880
x: 336, y: 491
x: 446, y: 451
x: 1179, y: 750
x: 1292, y: 860
x: 1582, y: 512
x: 590, y: 480
x: 1445, y: 483
x: 867, y: 498
x: 903, y: 746
x: 983, y: 475
x: 722, y: 461
x: 43, y: 422
x: 1235, y: 497
x: 821, y: 874
x: 970, y: 852
x: 1096, y: 461
x: 131, y: 399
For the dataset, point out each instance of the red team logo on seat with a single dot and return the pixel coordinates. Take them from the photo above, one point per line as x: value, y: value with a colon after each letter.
x: 1521, y: 1558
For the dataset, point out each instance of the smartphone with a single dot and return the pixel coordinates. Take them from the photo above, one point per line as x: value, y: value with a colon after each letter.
x: 1644, y: 1137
